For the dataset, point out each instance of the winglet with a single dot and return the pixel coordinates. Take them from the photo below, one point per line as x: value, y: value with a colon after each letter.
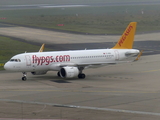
x: 139, y: 55
x: 127, y: 38
x: 42, y: 48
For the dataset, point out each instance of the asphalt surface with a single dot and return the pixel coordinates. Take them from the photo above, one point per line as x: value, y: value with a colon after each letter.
x: 58, y: 41
x: 41, y: 6
x: 123, y: 91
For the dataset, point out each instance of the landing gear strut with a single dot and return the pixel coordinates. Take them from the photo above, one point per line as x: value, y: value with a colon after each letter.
x: 24, y: 78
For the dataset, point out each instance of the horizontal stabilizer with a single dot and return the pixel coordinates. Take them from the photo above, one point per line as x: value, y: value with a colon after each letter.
x: 139, y: 55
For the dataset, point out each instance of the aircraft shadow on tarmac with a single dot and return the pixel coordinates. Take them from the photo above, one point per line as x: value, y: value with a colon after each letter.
x: 52, y: 78
x: 60, y: 81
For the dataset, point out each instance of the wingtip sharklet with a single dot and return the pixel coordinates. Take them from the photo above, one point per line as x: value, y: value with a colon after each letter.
x: 42, y: 48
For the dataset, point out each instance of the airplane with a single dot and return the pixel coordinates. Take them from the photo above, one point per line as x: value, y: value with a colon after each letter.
x: 70, y: 64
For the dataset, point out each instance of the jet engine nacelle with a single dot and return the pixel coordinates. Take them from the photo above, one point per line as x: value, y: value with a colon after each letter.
x: 69, y: 72
x: 39, y: 73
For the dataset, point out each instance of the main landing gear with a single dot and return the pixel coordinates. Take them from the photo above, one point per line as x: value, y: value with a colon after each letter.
x: 24, y: 78
x: 58, y: 74
x: 81, y: 76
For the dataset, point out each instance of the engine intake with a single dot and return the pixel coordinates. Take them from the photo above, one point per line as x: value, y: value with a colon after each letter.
x: 69, y: 72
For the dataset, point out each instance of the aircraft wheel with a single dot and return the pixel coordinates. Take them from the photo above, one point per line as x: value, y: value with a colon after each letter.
x: 58, y: 74
x: 81, y: 76
x: 24, y: 78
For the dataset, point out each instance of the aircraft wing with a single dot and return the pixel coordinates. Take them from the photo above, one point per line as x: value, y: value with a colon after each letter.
x: 91, y: 65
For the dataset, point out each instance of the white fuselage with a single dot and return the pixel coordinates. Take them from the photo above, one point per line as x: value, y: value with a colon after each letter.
x: 53, y: 61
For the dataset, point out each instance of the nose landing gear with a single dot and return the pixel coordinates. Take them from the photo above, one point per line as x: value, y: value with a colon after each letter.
x: 24, y: 78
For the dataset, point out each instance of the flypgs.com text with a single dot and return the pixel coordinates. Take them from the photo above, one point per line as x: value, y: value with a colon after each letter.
x: 49, y: 59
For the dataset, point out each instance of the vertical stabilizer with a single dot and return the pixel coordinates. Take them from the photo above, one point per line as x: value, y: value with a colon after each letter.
x: 127, y: 38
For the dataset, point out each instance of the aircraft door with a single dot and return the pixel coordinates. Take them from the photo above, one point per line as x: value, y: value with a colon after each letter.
x: 28, y: 60
x: 116, y: 55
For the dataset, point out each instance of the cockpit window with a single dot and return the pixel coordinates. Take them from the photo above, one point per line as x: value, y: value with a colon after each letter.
x: 15, y: 60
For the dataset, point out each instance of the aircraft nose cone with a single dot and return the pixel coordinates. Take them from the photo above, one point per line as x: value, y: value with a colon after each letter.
x: 6, y: 66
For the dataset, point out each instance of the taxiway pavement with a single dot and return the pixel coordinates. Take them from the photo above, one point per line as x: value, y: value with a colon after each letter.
x: 54, y: 37
x: 122, y: 91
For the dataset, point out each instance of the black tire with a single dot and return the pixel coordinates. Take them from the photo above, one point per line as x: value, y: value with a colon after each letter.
x: 58, y: 74
x: 81, y: 76
x: 24, y: 78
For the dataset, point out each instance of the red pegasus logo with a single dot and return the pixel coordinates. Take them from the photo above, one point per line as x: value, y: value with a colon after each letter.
x: 125, y: 35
